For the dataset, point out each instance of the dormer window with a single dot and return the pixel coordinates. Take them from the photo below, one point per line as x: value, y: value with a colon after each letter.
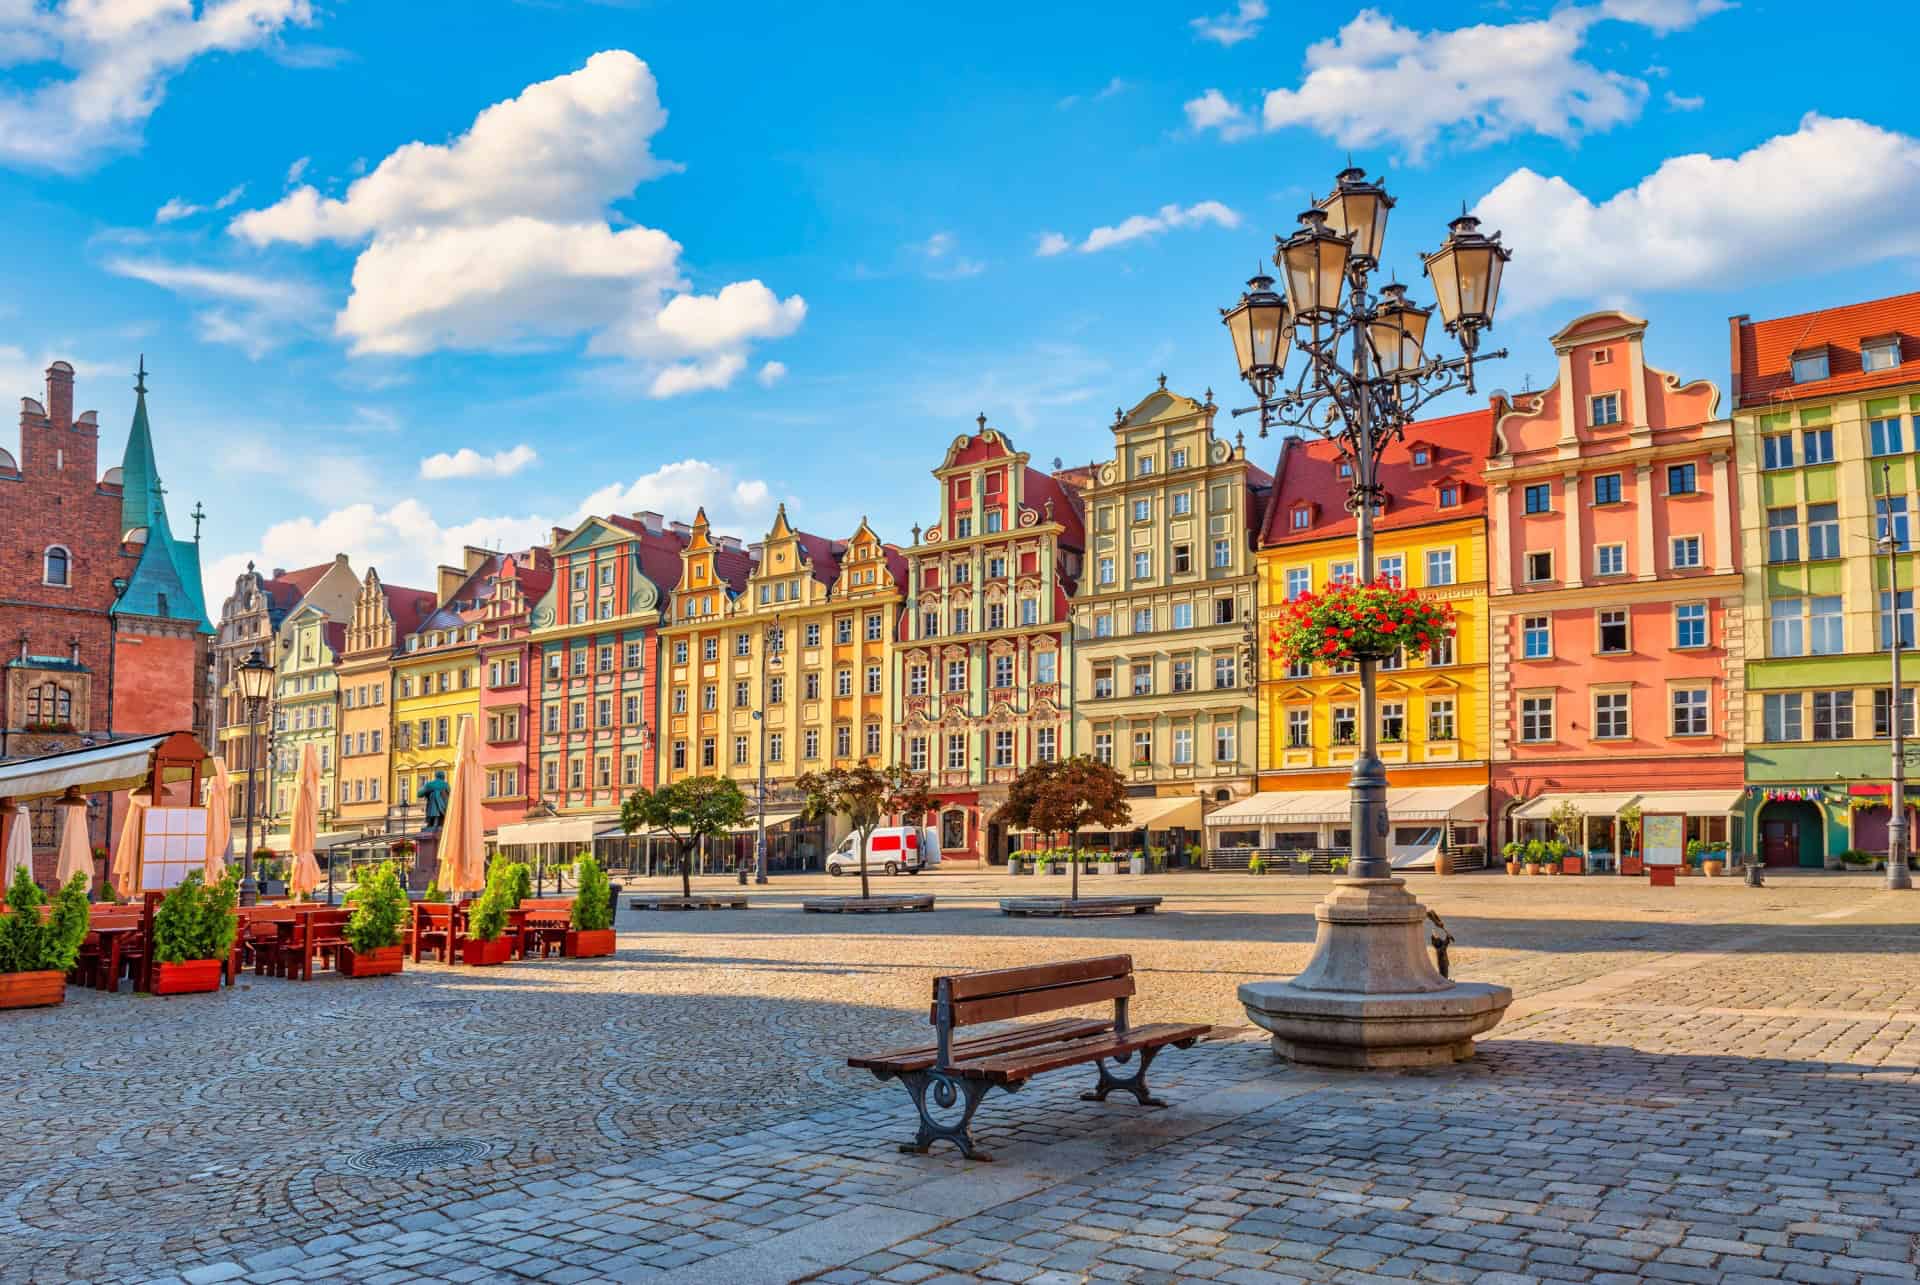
x: 1346, y: 468
x: 1450, y: 495
x: 1302, y: 517
x: 1810, y: 365
x: 1422, y: 456
x: 1601, y: 356
x: 1880, y: 354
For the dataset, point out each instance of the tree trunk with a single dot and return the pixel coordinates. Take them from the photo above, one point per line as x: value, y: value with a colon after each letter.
x: 686, y: 868
x: 866, y: 837
x: 1073, y: 852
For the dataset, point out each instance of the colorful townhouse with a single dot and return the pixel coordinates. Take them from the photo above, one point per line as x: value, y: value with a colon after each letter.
x: 511, y: 586
x: 1430, y: 536
x: 436, y: 687
x: 384, y: 615
x: 594, y: 640
x: 1826, y: 420
x: 1163, y: 626
x: 984, y: 669
x: 1618, y: 638
x: 306, y: 709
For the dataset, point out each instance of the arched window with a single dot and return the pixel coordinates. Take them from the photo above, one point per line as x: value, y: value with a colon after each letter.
x: 59, y: 565
x: 953, y: 828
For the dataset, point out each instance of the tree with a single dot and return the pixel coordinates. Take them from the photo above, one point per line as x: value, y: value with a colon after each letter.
x: 1064, y: 797
x: 1630, y: 821
x: 1568, y: 823
x: 700, y: 807
x: 867, y: 796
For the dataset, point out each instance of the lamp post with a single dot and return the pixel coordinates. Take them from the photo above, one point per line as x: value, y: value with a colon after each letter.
x: 254, y: 677
x: 1366, y: 372
x: 1899, y: 877
x: 773, y: 646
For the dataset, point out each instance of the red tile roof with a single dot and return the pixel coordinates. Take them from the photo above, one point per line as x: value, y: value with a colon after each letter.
x: 1310, y: 475
x: 408, y: 607
x: 1066, y: 506
x: 823, y: 553
x: 1763, y: 350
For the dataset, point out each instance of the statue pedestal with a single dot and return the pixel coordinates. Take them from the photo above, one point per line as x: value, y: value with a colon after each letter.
x: 1371, y: 998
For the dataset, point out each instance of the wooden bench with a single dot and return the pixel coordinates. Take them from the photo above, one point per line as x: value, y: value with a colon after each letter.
x: 950, y: 1072
x: 547, y: 921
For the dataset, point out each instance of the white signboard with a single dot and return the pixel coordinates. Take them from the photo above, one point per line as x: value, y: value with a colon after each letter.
x: 1665, y: 839
x: 175, y: 846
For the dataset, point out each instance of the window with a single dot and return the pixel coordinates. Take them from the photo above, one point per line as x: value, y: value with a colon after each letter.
x: 1182, y: 558
x: 956, y: 675
x: 679, y: 651
x: 1183, y: 615
x: 1103, y: 683
x: 1610, y: 719
x: 1393, y: 569
x: 1143, y: 510
x: 1178, y: 458
x: 1142, y: 465
x: 1816, y: 446
x: 1884, y: 436
x: 710, y: 648
x: 1536, y: 718
x: 1143, y: 620
x: 1783, y: 535
x: 962, y: 573
x: 1182, y: 503
x: 962, y: 620
x: 810, y: 685
x: 709, y: 752
x: 1299, y: 729
x: 606, y: 658
x: 1536, y: 637
x: 1612, y: 625
x: 1044, y: 667
x: 1142, y: 678
x: 1826, y: 633
x: 1880, y: 354
x: 1882, y: 712
x: 1183, y: 745
x: 1887, y: 612
x: 776, y: 747
x: 1440, y: 725
x: 1786, y: 633
x: 1606, y: 488
x: 1104, y: 571
x: 1540, y: 566
x: 1892, y: 511
x: 873, y: 679
x: 1810, y: 366
x: 1299, y: 582
x: 1222, y: 553
x: 1780, y: 716
x: 1346, y: 725
x: 58, y: 569
x: 1393, y: 721
x: 1302, y: 518
x: 1439, y: 567
x: 1823, y: 532
x: 1539, y: 498
x: 1776, y: 451
x: 1689, y: 711
x: 1421, y: 457
x: 1682, y: 479
x: 1143, y: 745
x: 1103, y: 746
x: 1225, y: 672
x: 1142, y: 565
x: 1003, y: 748
x: 1833, y: 716
x: 776, y: 690
x: 709, y: 697
x: 1223, y: 611
x: 1441, y: 652
x: 1690, y: 624
x: 1610, y: 560
x: 994, y: 520
x: 917, y: 753
x: 916, y: 680
x: 1340, y: 573
x: 1003, y: 671
x: 1183, y: 674
x: 741, y: 693
x: 962, y: 528
x: 739, y: 751
x: 679, y: 700
x: 1449, y: 496
x: 1686, y: 551
x: 1225, y: 743
x: 810, y: 742
x: 1603, y: 409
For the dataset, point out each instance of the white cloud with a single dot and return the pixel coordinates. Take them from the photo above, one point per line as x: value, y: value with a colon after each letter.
x: 1834, y: 193
x: 462, y: 251
x: 112, y: 61
x: 176, y: 209
x: 1142, y: 225
x: 406, y: 541
x: 1230, y: 29
x: 943, y: 264
x: 298, y: 170
x: 231, y: 196
x: 772, y: 373
x: 1684, y: 102
x: 250, y: 311
x: 1376, y: 82
x: 467, y: 462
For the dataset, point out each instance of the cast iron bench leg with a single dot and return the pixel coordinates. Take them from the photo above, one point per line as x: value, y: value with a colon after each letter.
x: 946, y: 1092
x: 1135, y: 1084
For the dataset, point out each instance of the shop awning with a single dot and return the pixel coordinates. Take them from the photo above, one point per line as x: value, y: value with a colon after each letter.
x: 752, y: 823
x: 283, y: 842
x: 549, y: 830
x: 1711, y: 803
x: 104, y: 768
x: 1327, y: 807
x: 1162, y: 814
x: 1541, y: 806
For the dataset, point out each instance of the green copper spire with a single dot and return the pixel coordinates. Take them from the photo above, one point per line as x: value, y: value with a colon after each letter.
x: 166, y: 582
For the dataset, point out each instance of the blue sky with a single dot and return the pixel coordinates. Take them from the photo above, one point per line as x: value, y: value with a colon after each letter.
x: 787, y: 252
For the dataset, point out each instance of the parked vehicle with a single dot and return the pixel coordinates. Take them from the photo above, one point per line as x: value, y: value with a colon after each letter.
x: 890, y: 850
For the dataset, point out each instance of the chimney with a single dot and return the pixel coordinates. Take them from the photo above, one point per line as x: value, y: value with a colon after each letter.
x: 1734, y: 325
x: 279, y: 573
x: 682, y: 530
x: 728, y: 542
x: 60, y: 394
x: 559, y: 533
x: 655, y: 522
x: 448, y: 581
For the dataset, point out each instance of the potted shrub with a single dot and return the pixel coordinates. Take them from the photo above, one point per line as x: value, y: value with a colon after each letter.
x: 1256, y: 864
x: 373, y: 930
x: 1062, y: 863
x: 486, y: 943
x: 193, y: 933
x: 1110, y: 865
x: 1535, y: 856
x: 1513, y: 850
x: 1338, y: 865
x: 1043, y: 864
x: 1556, y: 856
x: 1631, y: 860
x: 592, y: 931
x: 1137, y: 863
x: 36, y: 953
x: 1353, y: 621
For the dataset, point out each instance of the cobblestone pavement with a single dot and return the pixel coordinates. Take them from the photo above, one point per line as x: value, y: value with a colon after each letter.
x: 1708, y: 1083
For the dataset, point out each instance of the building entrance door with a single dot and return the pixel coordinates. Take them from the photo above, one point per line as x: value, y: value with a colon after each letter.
x: 1780, y: 842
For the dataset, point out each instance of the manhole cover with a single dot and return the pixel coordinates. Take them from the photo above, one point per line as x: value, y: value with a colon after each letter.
x: 407, y: 1158
x: 441, y: 1005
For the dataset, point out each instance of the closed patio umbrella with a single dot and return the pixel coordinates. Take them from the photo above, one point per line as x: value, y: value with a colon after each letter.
x: 305, y: 876
x: 219, y: 820
x: 463, y: 866
x: 133, y: 839
x: 76, y: 853
x: 19, y: 845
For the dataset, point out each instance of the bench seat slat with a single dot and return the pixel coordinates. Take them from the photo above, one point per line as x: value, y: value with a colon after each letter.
x: 1026, y: 1003
x: 921, y: 1058
x: 1000, y: 981
x: 1012, y: 1067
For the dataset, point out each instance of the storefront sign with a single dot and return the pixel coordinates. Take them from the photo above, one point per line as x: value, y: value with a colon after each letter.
x: 1665, y: 839
x: 173, y: 844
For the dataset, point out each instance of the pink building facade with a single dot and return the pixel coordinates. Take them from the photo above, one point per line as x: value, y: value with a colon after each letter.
x: 1616, y: 597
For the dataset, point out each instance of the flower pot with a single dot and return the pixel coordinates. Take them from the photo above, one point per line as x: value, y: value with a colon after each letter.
x: 1137, y: 866
x: 1573, y: 865
x: 486, y: 953
x: 590, y: 943
x: 1443, y: 863
x: 193, y: 977
x: 1514, y: 867
x: 1712, y: 869
x: 1535, y: 868
x: 1632, y: 865
x: 379, y: 962
x: 1660, y: 877
x: 1106, y: 867
x: 32, y: 990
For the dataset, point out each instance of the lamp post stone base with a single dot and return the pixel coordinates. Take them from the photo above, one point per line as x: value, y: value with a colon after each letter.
x: 1371, y: 998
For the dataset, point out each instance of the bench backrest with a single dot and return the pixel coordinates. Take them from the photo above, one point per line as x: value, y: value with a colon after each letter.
x: 1003, y: 994
x: 547, y: 903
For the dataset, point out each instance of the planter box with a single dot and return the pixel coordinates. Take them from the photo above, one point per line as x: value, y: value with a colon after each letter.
x: 1057, y: 870
x: 486, y: 953
x: 1106, y: 867
x: 1137, y: 866
x: 32, y: 990
x: 194, y: 977
x: 1573, y: 865
x: 1660, y: 876
x: 381, y: 962
x: 589, y: 944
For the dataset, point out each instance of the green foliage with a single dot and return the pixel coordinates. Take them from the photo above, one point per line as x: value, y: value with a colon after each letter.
x: 700, y: 807
x: 593, y: 899
x: 1339, y: 864
x: 196, y: 921
x: 1535, y: 853
x: 1855, y: 857
x: 29, y: 945
x: 1566, y: 820
x: 433, y: 892
x: 488, y: 918
x: 1256, y: 864
x: 518, y: 878
x: 1512, y: 849
x: 379, y: 907
x: 865, y: 796
x: 1630, y: 822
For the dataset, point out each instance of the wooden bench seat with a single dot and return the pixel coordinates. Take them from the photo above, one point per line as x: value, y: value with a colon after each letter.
x: 948, y: 1078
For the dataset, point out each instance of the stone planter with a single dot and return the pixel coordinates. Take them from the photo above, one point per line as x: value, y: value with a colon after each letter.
x: 382, y: 961
x: 485, y: 954
x: 1106, y: 867
x: 192, y: 977
x: 1137, y: 866
x: 32, y: 990
x: 589, y: 943
x: 1059, y: 869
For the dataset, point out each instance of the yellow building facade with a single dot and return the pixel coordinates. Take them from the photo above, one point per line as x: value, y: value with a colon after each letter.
x: 436, y: 687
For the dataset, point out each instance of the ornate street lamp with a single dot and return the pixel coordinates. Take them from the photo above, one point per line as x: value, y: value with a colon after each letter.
x: 1367, y: 373
x: 254, y: 677
x: 767, y: 669
x: 1261, y: 334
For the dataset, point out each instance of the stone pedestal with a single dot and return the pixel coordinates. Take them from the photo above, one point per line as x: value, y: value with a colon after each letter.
x: 1371, y: 997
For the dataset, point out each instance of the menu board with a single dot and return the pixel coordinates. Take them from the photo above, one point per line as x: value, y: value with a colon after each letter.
x: 1666, y: 839
x: 175, y: 845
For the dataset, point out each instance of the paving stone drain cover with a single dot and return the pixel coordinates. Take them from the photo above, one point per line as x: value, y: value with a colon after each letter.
x: 404, y: 1159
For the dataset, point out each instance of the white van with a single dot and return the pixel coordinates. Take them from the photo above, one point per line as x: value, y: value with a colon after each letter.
x: 890, y: 850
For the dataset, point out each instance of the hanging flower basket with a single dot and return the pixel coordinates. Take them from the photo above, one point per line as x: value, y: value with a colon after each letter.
x: 1352, y: 621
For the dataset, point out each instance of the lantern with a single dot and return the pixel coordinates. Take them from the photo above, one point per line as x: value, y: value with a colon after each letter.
x: 1398, y: 331
x: 1313, y: 261
x: 1261, y: 333
x: 1466, y: 277
x: 254, y: 677
x: 1357, y: 209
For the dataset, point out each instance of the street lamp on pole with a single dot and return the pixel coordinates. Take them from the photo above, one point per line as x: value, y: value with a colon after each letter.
x: 254, y: 677
x: 773, y: 645
x: 1898, y: 876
